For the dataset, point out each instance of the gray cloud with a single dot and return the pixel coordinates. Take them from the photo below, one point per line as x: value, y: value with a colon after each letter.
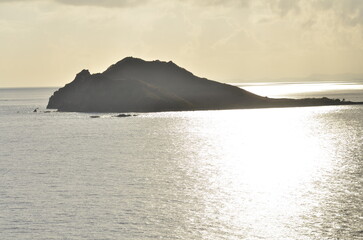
x: 347, y: 12
x: 227, y: 3
x: 103, y: 3
x: 284, y: 7
x: 11, y: 1
x: 128, y: 3
x: 98, y: 3
x: 350, y: 11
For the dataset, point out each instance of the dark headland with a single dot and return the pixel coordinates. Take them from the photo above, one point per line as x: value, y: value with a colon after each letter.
x: 135, y: 85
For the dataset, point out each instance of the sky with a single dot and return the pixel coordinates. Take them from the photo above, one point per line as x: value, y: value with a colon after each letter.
x: 47, y: 42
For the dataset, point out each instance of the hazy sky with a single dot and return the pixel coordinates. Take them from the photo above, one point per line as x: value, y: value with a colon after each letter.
x: 46, y: 42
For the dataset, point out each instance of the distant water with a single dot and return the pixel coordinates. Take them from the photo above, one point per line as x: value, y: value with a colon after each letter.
x: 350, y: 91
x: 292, y: 173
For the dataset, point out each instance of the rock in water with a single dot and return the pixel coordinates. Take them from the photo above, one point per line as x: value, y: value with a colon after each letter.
x: 124, y: 115
x: 135, y: 85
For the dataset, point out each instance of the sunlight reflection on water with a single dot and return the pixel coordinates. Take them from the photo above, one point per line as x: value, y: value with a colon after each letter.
x: 264, y: 168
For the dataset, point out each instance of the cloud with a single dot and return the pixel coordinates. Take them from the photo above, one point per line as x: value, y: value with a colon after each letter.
x: 97, y: 3
x: 338, y: 12
x: 132, y: 3
x: 226, y: 3
x: 104, y: 3
x: 11, y: 1
x: 346, y: 12
x: 349, y: 11
x: 284, y: 7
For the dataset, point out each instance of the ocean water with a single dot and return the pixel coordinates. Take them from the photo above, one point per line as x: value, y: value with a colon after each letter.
x: 288, y: 173
x: 350, y: 91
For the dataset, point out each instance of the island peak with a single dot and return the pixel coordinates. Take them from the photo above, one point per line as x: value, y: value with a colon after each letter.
x: 136, y: 85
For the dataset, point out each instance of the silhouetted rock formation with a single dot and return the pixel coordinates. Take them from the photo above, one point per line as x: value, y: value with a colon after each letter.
x: 135, y: 85
x: 121, y: 115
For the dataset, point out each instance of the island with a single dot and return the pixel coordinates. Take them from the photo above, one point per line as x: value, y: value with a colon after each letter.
x: 136, y: 85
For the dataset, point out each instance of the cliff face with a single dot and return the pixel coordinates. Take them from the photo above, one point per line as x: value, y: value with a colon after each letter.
x: 135, y: 85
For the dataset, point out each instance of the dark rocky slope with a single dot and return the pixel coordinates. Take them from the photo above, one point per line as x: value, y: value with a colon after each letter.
x: 135, y: 85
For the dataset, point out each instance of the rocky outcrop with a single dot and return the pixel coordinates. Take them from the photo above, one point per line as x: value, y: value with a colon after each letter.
x: 135, y: 85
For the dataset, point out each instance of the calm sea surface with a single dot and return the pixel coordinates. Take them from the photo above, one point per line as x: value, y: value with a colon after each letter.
x: 292, y: 173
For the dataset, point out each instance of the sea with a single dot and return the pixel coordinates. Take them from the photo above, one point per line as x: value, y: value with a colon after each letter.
x: 274, y: 174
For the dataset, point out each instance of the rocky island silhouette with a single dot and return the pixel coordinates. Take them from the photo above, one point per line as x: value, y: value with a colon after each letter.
x: 135, y: 85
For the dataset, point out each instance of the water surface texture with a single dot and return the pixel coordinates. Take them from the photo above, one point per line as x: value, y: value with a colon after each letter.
x: 289, y: 173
